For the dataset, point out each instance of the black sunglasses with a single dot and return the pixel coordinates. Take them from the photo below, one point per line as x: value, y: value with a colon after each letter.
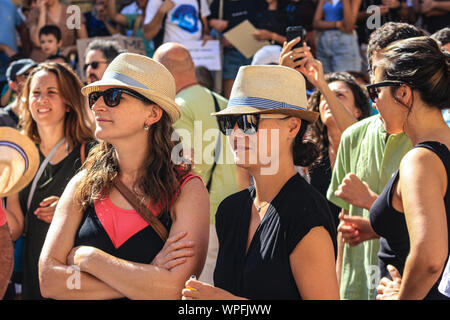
x: 248, y: 123
x: 112, y: 97
x: 373, y: 88
x: 94, y: 65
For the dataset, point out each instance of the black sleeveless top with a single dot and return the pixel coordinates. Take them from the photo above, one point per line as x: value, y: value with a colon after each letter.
x: 53, y: 181
x: 141, y: 247
x: 264, y: 271
x: 391, y: 224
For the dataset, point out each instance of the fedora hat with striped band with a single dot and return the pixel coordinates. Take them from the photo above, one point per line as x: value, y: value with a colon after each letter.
x: 143, y: 75
x: 19, y: 161
x: 269, y: 89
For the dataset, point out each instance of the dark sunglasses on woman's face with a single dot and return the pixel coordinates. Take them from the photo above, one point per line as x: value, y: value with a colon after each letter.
x: 112, y: 96
x: 248, y: 123
x: 94, y: 65
x: 373, y: 88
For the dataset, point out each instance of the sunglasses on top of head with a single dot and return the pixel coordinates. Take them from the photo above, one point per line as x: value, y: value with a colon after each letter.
x: 373, y: 89
x: 94, y: 65
x: 112, y: 96
x: 248, y: 123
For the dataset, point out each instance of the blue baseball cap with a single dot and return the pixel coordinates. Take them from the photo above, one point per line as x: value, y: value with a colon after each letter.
x: 18, y: 68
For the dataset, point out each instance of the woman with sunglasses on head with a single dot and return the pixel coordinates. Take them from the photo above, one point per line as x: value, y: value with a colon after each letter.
x: 55, y: 119
x: 412, y: 214
x: 99, y: 231
x: 277, y: 238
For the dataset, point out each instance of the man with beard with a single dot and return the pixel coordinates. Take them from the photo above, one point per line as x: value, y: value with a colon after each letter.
x: 99, y: 55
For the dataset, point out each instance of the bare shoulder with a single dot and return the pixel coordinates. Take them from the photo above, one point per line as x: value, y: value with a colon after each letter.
x: 423, y: 167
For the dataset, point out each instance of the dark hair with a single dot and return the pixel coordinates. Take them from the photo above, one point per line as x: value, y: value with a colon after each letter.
x: 388, y: 33
x: 318, y: 131
x: 421, y: 64
x: 57, y: 56
x: 109, y: 48
x: 159, y: 179
x: 304, y: 151
x: 204, y: 77
x: 443, y: 36
x: 51, y: 29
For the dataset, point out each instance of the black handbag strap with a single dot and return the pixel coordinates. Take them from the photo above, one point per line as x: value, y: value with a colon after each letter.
x: 217, y: 149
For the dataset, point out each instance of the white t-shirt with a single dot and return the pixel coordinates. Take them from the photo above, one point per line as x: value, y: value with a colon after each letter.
x: 182, y: 22
x: 444, y: 286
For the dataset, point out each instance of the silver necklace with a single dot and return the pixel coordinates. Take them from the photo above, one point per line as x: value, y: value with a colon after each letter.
x: 258, y: 208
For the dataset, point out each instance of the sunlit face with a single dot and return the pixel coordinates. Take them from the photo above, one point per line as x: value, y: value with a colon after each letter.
x: 392, y: 113
x: 46, y: 105
x: 97, y: 73
x: 122, y: 122
x: 49, y: 44
x: 345, y: 96
x: 263, y: 149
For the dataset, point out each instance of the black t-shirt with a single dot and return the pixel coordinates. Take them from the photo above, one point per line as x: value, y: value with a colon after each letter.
x: 391, y: 224
x: 298, y: 12
x: 264, y: 272
x: 237, y: 11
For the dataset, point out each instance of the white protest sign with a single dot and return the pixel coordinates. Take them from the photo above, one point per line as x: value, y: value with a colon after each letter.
x: 207, y: 55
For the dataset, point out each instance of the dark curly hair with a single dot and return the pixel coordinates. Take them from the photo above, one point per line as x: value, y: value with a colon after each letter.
x: 318, y: 131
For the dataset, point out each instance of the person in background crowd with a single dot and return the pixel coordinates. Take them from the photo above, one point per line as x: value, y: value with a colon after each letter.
x: 133, y: 22
x: 435, y: 14
x: 197, y: 103
x: 11, y: 21
x: 443, y: 36
x: 134, y: 124
x: 337, y: 45
x: 176, y: 21
x: 300, y: 12
x: 55, y: 119
x: 99, y: 54
x: 374, y: 13
x: 233, y: 13
x: 412, y: 214
x: 55, y: 13
x: 272, y: 24
x: 17, y: 75
x: 50, y: 40
x: 276, y: 238
x: 98, y: 21
x: 366, y: 142
x: 58, y: 59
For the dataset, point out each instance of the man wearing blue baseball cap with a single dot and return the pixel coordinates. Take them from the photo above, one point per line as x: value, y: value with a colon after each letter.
x: 16, y: 74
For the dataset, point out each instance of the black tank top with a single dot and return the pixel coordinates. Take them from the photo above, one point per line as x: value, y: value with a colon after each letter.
x: 390, y: 224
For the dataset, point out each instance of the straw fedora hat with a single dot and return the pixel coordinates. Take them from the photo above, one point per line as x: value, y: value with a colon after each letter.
x: 269, y: 89
x: 19, y: 161
x: 143, y: 75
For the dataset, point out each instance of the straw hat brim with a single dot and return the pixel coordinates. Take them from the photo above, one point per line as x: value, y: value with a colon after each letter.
x: 32, y: 153
x: 309, y: 116
x: 165, y: 103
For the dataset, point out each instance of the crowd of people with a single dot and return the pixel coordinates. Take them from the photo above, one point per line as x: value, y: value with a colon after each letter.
x: 317, y: 169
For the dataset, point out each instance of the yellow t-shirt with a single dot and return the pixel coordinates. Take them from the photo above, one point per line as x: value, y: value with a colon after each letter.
x: 199, y: 131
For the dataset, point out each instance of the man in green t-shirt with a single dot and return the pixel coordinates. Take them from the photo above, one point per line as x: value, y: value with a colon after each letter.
x: 200, y: 135
x: 367, y: 158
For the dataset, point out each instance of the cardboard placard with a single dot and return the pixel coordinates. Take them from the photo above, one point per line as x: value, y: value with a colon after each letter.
x: 241, y: 37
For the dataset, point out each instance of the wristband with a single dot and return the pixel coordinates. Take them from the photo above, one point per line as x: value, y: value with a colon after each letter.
x: 2, y: 215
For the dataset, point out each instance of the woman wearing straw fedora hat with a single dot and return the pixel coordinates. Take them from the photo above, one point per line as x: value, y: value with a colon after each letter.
x: 276, y: 238
x: 19, y: 161
x: 56, y: 121
x: 131, y: 202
